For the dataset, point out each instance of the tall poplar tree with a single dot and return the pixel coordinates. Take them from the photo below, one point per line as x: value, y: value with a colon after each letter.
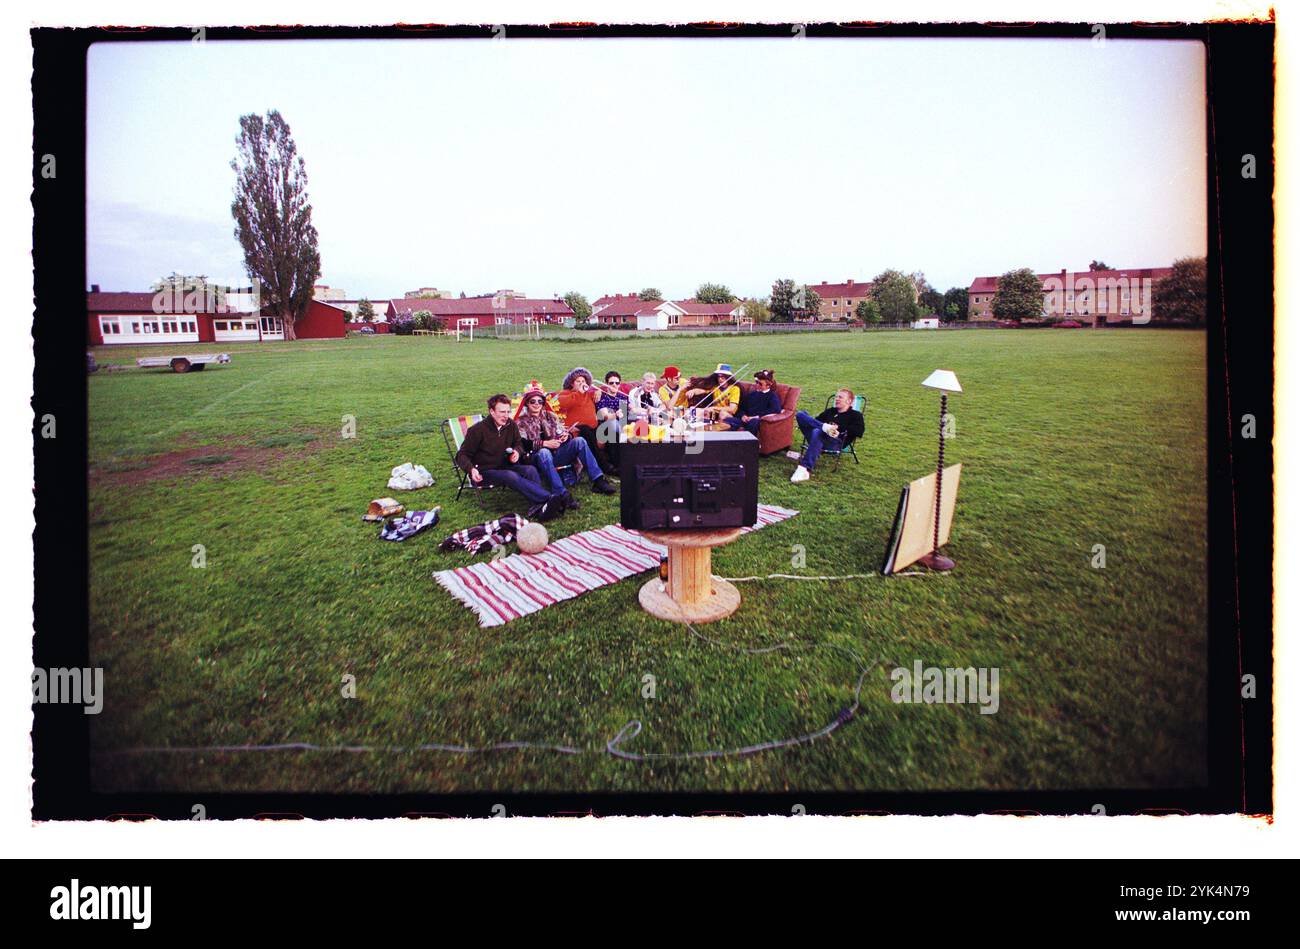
x: 273, y: 217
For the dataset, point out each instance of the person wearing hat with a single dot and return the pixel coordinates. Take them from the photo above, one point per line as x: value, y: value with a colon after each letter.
x: 717, y: 392
x: 672, y: 385
x: 550, y: 445
x: 726, y: 397
x: 577, y: 401
x: 757, y: 402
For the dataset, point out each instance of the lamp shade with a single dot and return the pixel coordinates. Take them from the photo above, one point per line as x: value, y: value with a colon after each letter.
x: 944, y: 379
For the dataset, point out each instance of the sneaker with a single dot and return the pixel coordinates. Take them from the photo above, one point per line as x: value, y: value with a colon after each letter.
x: 602, y: 486
x: 800, y: 474
x: 570, y: 502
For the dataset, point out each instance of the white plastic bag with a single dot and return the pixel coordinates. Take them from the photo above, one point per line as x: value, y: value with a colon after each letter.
x: 409, y: 477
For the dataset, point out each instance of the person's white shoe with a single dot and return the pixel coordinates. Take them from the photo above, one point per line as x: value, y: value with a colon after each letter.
x: 800, y: 474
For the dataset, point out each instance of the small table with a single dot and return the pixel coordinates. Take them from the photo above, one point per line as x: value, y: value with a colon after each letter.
x: 691, y: 595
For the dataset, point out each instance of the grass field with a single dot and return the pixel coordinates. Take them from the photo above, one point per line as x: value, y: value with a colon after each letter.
x: 1069, y: 439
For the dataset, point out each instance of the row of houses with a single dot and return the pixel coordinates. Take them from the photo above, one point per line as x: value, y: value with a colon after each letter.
x: 135, y: 318
x: 1095, y: 297
x: 161, y: 317
x: 660, y: 314
x: 1092, y: 297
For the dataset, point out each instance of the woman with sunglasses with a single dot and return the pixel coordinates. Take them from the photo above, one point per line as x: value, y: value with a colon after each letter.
x: 551, y: 446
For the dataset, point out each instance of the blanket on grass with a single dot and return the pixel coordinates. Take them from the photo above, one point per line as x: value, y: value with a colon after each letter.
x: 505, y: 589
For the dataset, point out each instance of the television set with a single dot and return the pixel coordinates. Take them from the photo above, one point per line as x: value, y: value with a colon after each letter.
x: 697, y: 481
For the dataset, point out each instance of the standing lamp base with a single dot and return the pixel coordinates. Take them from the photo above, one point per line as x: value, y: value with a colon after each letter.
x: 936, y: 561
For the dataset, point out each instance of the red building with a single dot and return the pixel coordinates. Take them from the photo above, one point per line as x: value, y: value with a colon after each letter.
x: 485, y: 311
x: 621, y: 308
x: 146, y: 318
x: 839, y: 301
x: 1095, y: 297
x: 630, y: 308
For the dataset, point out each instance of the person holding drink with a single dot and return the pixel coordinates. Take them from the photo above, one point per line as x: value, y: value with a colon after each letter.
x: 833, y: 429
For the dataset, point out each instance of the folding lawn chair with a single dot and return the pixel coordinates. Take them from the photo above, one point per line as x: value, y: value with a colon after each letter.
x: 860, y: 405
x: 453, y: 434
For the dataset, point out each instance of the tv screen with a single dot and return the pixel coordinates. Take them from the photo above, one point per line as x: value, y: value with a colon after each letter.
x: 707, y: 479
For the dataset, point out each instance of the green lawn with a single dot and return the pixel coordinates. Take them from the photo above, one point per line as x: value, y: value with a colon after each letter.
x: 1069, y: 439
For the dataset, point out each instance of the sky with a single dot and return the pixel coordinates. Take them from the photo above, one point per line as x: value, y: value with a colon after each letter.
x: 609, y: 165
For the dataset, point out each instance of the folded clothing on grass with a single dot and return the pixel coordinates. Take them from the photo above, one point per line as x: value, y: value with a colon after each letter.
x: 400, y: 528
x: 486, y: 536
x: 510, y: 587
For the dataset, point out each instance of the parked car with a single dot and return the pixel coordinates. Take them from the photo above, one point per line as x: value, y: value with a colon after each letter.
x: 365, y: 329
x: 1068, y: 324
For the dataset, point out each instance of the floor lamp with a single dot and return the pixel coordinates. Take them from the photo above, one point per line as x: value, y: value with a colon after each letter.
x: 945, y: 380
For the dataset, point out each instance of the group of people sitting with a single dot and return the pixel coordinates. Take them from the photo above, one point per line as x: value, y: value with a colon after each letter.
x: 581, y: 425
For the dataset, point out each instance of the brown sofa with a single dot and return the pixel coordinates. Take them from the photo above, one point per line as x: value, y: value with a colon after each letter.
x: 776, y: 432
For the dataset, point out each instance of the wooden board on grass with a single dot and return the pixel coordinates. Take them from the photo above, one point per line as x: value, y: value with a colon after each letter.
x: 913, y: 533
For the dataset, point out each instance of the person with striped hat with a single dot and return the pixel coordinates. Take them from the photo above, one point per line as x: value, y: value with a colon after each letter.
x: 550, y: 445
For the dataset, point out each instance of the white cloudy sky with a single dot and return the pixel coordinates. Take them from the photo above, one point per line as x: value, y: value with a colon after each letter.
x: 610, y: 165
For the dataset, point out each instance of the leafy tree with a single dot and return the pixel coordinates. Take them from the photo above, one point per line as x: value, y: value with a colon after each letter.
x: 714, y: 293
x: 895, y: 293
x: 273, y: 217
x: 423, y: 319
x: 1019, y: 296
x: 1181, y: 295
x: 578, y: 304
x: 366, y: 311
x: 868, y: 311
x: 956, y: 304
x: 189, y: 294
x: 930, y: 300
x: 781, y: 303
x: 756, y: 310
x: 651, y: 293
x: 807, y: 303
x: 1099, y: 265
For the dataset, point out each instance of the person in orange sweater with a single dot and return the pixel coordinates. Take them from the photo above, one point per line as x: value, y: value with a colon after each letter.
x: 577, y: 400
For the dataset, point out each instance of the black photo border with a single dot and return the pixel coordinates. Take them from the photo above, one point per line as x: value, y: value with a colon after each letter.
x: 1239, y: 368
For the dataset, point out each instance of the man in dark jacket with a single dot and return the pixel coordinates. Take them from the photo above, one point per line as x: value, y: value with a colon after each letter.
x: 757, y: 402
x: 833, y: 429
x: 492, y: 453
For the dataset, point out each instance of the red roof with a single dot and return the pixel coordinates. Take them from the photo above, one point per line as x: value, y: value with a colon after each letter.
x: 120, y: 302
x: 615, y: 298
x: 479, y: 306
x: 990, y: 284
x: 143, y: 302
x: 851, y: 289
x: 627, y: 306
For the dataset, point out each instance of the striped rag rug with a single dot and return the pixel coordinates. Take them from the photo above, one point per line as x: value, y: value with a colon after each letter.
x: 511, y: 587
